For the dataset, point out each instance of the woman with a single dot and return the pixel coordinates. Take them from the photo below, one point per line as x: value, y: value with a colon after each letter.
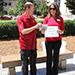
x: 53, y: 43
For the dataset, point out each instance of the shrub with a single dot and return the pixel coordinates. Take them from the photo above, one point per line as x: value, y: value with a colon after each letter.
x: 69, y: 27
x: 39, y: 21
x: 10, y: 29
x: 42, y: 16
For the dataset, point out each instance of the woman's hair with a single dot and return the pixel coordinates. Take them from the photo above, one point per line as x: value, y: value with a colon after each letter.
x: 57, y: 10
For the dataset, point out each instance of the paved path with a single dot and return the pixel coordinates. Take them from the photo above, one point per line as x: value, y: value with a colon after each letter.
x: 41, y: 68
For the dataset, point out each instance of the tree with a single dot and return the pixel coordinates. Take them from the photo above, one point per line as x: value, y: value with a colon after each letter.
x: 71, y: 5
x: 43, y: 8
x: 10, y: 11
x: 20, y: 4
x: 1, y: 7
x: 20, y: 12
x: 36, y: 5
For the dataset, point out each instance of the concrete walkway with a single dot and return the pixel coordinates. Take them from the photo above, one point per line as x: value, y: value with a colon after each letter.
x: 41, y: 68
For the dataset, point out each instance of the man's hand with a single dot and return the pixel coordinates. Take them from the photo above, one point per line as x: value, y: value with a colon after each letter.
x: 38, y: 25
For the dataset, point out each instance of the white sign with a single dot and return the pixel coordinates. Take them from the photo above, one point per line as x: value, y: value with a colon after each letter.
x: 51, y: 31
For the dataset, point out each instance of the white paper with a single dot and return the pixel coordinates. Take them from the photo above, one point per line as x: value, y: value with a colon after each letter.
x: 51, y: 31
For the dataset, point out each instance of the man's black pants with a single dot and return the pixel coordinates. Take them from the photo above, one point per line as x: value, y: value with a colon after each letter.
x: 24, y: 57
x: 52, y: 45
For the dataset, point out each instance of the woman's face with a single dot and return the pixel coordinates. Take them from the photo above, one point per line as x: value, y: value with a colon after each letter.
x: 53, y: 10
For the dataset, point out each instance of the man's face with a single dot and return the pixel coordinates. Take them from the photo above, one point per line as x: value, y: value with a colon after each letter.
x: 31, y: 10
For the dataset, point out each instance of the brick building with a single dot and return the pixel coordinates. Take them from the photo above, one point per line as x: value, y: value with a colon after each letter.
x: 64, y: 10
x: 8, y: 4
x: 11, y: 3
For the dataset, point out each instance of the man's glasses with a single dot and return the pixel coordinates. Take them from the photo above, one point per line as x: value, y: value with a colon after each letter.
x: 52, y: 8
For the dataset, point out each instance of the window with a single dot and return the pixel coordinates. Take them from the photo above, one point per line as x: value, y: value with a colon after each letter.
x: 5, y: 3
x: 1, y: 3
x: 9, y: 4
x: 58, y: 2
x: 5, y: 12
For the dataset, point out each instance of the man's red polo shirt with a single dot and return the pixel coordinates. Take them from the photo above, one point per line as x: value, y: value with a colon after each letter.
x: 27, y: 41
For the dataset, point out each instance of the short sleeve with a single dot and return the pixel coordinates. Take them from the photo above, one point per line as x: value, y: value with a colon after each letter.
x: 62, y: 24
x: 20, y: 25
x: 45, y: 20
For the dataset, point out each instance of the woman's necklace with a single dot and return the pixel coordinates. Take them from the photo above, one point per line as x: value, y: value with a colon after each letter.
x: 53, y: 17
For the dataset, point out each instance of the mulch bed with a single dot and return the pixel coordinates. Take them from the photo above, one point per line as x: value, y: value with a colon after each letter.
x: 11, y: 46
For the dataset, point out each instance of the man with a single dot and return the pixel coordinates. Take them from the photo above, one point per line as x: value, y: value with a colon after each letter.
x: 27, y: 30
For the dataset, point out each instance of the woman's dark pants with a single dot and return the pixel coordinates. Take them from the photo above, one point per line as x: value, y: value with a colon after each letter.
x: 52, y: 45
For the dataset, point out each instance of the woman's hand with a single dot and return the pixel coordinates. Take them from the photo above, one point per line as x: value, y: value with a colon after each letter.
x: 60, y: 31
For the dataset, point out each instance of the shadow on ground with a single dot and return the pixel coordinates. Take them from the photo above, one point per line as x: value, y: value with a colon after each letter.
x: 70, y: 67
x: 42, y: 71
